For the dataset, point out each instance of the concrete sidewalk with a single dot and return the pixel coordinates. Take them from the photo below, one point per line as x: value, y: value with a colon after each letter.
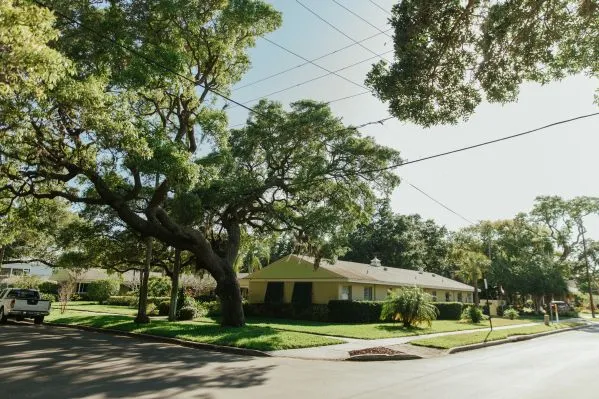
x: 341, y: 351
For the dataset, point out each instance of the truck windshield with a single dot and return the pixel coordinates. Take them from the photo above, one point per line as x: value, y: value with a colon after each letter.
x: 23, y: 294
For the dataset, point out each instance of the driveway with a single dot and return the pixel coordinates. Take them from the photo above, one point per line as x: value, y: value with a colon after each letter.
x: 50, y: 362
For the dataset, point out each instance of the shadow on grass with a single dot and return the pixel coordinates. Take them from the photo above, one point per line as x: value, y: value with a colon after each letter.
x: 61, y: 363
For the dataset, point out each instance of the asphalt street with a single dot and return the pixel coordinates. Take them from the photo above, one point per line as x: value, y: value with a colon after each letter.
x: 51, y: 362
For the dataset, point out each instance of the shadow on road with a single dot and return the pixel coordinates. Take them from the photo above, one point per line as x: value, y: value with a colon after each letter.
x: 50, y: 362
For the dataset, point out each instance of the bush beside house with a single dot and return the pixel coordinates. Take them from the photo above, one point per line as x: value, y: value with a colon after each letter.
x: 101, y: 290
x: 449, y: 310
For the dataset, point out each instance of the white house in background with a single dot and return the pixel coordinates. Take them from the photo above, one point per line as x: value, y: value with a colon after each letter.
x: 33, y: 268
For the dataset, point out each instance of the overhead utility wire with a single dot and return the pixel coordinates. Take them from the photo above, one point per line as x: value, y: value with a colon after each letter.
x: 144, y: 57
x: 361, y: 18
x: 486, y: 142
x: 308, y: 62
x: 317, y: 78
x: 329, y: 72
x: 439, y: 202
x: 379, y: 7
x: 335, y: 28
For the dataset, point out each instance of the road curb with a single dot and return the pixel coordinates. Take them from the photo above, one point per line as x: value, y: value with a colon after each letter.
x: 516, y: 338
x: 176, y: 341
x: 379, y: 357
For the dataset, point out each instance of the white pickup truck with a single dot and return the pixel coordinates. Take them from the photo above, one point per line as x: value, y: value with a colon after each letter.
x: 22, y: 303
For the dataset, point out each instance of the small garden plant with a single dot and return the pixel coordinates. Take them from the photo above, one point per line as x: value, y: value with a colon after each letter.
x: 411, y: 306
x: 472, y: 314
x: 511, y: 313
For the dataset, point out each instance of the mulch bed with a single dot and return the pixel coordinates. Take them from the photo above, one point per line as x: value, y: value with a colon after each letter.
x: 379, y: 350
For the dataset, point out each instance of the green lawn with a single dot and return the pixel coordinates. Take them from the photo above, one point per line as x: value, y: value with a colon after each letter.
x: 253, y: 337
x: 452, y: 341
x: 94, y: 307
x: 375, y: 330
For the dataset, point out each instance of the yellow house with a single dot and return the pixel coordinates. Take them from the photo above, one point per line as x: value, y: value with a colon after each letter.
x: 294, y: 278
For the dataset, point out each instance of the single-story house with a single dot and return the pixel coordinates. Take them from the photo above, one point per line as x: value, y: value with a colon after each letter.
x: 244, y: 284
x: 294, y: 278
x: 33, y: 268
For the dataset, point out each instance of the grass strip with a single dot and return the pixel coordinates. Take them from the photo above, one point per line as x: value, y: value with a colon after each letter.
x: 252, y: 337
x: 453, y: 341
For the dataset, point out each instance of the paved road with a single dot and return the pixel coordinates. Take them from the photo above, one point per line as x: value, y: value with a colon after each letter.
x: 49, y: 362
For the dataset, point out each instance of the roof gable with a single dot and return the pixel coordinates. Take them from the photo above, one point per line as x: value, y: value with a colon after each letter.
x: 296, y: 268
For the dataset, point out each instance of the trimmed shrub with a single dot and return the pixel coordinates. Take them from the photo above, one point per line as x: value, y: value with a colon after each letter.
x: 48, y: 287
x: 212, y: 308
x: 101, y: 290
x: 449, y: 310
x: 187, y: 313
x: 411, y: 306
x: 340, y: 311
x: 152, y: 310
x: 122, y: 301
x: 472, y: 314
x: 29, y: 282
x: 511, y: 313
x: 48, y: 297
x: 156, y: 300
x: 164, y: 308
x: 159, y: 286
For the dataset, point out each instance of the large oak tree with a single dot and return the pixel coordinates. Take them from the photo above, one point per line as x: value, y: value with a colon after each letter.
x: 112, y: 104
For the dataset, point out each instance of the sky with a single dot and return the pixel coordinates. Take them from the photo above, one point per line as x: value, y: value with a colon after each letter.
x: 488, y: 183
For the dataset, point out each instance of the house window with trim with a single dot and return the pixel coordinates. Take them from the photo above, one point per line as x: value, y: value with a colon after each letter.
x: 460, y: 297
x: 346, y: 293
x: 434, y: 294
x: 368, y: 293
x: 447, y: 297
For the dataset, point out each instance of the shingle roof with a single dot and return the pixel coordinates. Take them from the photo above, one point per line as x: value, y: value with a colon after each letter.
x: 389, y: 275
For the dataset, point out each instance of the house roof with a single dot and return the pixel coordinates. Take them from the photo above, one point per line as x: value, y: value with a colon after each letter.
x: 360, y: 272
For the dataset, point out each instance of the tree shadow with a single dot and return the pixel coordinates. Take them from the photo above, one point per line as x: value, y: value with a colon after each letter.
x: 50, y: 362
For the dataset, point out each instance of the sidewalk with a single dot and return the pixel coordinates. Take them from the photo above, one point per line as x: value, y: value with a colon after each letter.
x: 341, y: 351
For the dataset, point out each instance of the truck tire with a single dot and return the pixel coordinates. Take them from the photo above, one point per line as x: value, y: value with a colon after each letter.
x: 3, y: 317
x: 38, y: 319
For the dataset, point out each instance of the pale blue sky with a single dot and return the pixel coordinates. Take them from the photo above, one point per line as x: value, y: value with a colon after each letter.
x: 492, y: 182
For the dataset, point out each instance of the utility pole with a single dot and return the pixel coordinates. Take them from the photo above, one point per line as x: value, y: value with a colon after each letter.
x: 586, y: 260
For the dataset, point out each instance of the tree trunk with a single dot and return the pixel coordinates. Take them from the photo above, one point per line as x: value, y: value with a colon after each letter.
x: 1, y: 255
x: 475, y: 295
x: 229, y: 293
x: 172, y: 312
x: 142, y: 317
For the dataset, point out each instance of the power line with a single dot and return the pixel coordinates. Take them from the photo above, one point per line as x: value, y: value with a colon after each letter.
x: 308, y: 62
x: 360, y: 17
x: 439, y: 202
x: 329, y: 72
x: 334, y: 27
x: 348, y: 97
x: 317, y: 78
x: 144, y: 57
x: 380, y: 8
x: 486, y: 142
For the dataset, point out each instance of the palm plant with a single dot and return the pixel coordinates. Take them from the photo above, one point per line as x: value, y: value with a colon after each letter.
x: 411, y: 306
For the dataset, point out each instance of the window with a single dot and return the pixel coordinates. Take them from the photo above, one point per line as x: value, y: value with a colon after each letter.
x: 17, y: 272
x: 274, y: 293
x: 460, y: 297
x: 346, y: 292
x: 447, y: 297
x: 82, y: 288
x: 434, y: 294
x: 4, y: 272
x: 368, y: 293
x: 302, y: 294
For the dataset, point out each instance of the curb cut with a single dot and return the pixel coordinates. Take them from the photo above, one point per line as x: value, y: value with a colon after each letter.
x: 176, y: 341
x: 516, y: 338
x: 373, y: 357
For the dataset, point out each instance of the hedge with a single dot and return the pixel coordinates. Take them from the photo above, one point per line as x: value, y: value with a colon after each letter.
x: 354, y: 311
x: 449, y: 310
x: 314, y: 312
x: 101, y: 290
x: 131, y: 300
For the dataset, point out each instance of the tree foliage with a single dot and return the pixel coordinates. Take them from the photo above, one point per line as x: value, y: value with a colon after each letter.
x: 404, y: 241
x: 450, y: 54
x: 138, y: 133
